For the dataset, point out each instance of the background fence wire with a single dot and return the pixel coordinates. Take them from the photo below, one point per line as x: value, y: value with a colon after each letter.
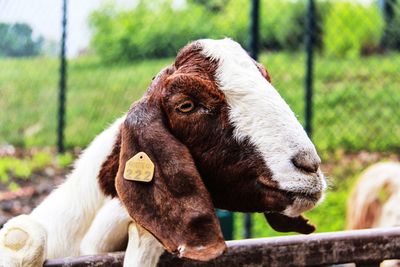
x: 349, y: 49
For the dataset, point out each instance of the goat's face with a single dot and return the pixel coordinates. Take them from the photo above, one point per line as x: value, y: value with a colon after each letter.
x: 220, y: 136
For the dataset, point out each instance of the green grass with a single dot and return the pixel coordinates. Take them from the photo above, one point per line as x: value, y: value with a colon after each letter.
x: 97, y: 94
x: 11, y: 168
x: 14, y: 168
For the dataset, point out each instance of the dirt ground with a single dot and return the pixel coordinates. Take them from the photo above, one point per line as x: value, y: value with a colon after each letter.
x: 30, y: 194
x: 31, y: 191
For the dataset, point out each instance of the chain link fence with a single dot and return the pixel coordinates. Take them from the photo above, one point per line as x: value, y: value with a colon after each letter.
x: 356, y: 78
x: 353, y: 53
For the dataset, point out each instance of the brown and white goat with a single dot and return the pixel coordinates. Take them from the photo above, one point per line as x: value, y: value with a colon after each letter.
x: 219, y: 135
x: 375, y: 199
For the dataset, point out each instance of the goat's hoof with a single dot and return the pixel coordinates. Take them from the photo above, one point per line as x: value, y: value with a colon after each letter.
x: 15, y: 238
x: 22, y: 243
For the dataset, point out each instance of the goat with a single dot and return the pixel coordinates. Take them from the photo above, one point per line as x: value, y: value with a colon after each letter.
x: 375, y: 198
x: 374, y: 201
x: 218, y: 135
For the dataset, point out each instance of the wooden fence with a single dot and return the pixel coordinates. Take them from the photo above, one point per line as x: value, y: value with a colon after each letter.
x: 363, y: 247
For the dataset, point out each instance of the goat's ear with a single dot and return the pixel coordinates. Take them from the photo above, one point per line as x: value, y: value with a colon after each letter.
x: 175, y: 205
x: 283, y: 223
x: 263, y: 71
x: 109, y: 169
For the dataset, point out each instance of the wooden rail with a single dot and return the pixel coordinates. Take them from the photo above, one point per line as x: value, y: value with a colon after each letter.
x: 363, y: 247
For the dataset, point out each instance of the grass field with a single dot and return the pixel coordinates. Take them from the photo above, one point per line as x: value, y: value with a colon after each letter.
x: 97, y: 94
x: 356, y: 107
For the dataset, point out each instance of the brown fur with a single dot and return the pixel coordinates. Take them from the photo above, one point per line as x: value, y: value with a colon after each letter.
x: 175, y: 207
x: 282, y: 223
x: 109, y: 169
x: 198, y: 165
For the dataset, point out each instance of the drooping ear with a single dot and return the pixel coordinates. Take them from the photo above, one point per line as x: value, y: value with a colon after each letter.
x: 283, y: 223
x: 174, y: 206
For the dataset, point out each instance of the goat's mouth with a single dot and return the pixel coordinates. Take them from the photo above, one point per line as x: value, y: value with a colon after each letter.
x: 299, y: 201
x: 303, y: 195
x: 303, y: 202
x: 311, y: 197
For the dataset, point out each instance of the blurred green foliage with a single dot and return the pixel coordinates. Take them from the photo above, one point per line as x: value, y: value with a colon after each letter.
x: 148, y: 31
x: 352, y: 29
x: 65, y: 160
x: 158, y: 29
x: 17, y: 41
x: 283, y: 24
x: 12, y: 167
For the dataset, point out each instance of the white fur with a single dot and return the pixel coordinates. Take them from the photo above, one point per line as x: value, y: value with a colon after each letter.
x: 259, y: 114
x: 31, y: 239
x: 108, y: 231
x: 143, y: 249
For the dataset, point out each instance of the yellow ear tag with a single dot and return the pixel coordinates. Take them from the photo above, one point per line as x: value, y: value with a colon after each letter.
x: 139, y: 168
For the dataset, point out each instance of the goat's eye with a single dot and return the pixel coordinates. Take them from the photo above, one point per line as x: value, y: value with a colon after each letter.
x: 186, y: 106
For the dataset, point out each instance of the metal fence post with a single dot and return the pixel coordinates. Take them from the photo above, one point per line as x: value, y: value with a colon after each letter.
x: 253, y: 49
x: 62, y: 82
x: 309, y: 41
x: 254, y: 28
x: 388, y: 9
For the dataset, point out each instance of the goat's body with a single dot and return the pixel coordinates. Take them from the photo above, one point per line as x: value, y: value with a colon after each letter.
x: 375, y: 200
x: 88, y: 223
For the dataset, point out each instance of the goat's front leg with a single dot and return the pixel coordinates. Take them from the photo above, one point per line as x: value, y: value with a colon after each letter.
x: 143, y: 249
x: 109, y: 230
x: 22, y: 243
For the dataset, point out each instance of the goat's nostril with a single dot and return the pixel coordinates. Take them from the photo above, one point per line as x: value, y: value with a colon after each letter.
x: 306, y: 162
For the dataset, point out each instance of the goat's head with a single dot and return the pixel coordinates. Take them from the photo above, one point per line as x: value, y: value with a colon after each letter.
x: 220, y: 136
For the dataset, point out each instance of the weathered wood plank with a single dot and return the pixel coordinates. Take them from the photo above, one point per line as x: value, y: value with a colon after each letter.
x: 370, y: 245
x: 109, y: 259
